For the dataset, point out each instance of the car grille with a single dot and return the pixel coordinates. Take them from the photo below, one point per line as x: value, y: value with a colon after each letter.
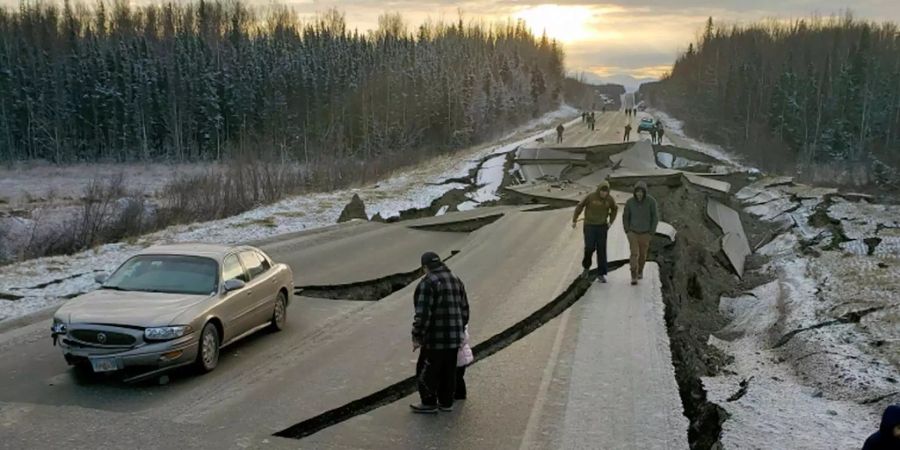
x: 108, y: 338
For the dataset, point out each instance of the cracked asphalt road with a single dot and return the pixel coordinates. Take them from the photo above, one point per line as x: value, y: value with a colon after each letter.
x: 333, y: 352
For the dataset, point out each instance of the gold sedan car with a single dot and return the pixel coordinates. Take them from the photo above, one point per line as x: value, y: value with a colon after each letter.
x: 171, y: 306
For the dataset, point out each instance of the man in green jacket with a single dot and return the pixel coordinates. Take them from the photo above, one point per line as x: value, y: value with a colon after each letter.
x: 639, y: 219
x: 599, y: 212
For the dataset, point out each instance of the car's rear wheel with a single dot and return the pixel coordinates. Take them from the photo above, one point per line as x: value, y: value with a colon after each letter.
x: 279, y: 315
x: 208, y: 351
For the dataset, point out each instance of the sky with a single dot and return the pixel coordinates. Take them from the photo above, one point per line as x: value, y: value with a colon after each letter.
x: 612, y: 40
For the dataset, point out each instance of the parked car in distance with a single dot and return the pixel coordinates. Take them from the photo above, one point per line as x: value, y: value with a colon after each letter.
x: 646, y: 124
x: 171, y: 306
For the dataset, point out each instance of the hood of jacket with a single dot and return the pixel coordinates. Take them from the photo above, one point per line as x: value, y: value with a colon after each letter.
x: 640, y: 186
x: 889, y: 420
x: 603, y: 185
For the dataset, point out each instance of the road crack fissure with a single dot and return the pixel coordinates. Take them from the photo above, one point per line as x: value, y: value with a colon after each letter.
x: 407, y: 386
x: 850, y: 317
x: 463, y: 226
x: 369, y: 290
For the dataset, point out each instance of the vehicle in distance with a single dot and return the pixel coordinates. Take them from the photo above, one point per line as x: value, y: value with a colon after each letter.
x: 646, y: 124
x: 171, y: 306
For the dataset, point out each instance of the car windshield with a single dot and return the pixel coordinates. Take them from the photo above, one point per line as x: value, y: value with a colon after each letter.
x: 647, y: 120
x: 173, y: 274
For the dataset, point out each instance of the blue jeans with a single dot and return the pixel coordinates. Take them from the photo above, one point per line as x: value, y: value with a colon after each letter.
x: 595, y: 241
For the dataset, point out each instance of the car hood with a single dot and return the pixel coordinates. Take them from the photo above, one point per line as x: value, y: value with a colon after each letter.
x: 141, y: 309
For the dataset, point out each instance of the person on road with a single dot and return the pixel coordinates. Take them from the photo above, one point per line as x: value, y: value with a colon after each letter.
x: 592, y: 121
x: 439, y: 327
x: 464, y: 357
x: 599, y: 213
x: 639, y: 220
x: 559, y: 133
x: 583, y: 117
x: 653, y: 133
x: 627, y: 132
x: 888, y: 434
x: 660, y: 131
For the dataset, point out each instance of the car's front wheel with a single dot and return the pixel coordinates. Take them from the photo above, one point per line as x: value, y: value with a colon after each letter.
x: 279, y: 315
x: 208, y: 353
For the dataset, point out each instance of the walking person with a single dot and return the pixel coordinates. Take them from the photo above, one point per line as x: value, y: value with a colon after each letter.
x: 660, y: 131
x: 599, y: 213
x: 888, y: 434
x: 464, y: 357
x: 592, y: 121
x: 627, y: 132
x: 639, y: 220
x: 654, y: 132
x: 559, y: 133
x: 439, y: 326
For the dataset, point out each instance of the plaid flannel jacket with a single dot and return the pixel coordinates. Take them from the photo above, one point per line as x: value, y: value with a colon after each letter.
x: 442, y: 311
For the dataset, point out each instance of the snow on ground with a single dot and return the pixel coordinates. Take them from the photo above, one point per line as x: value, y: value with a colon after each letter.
x: 489, y: 179
x: 415, y: 187
x: 820, y: 341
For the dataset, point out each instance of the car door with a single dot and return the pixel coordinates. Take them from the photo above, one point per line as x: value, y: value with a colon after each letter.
x: 238, y: 304
x: 265, y: 287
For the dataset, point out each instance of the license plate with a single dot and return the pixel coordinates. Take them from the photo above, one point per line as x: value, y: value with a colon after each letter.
x: 104, y: 364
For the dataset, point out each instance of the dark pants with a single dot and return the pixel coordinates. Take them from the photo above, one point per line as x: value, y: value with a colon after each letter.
x: 460, y: 383
x: 559, y: 138
x: 595, y: 241
x: 436, y: 376
x: 627, y: 135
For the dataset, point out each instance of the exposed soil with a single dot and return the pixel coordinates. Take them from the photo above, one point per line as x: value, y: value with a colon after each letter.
x: 694, y: 275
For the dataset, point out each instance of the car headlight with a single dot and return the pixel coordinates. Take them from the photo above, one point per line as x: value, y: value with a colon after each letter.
x: 166, y: 333
x: 58, y: 327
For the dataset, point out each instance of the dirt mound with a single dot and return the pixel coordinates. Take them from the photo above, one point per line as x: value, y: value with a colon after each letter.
x: 356, y: 209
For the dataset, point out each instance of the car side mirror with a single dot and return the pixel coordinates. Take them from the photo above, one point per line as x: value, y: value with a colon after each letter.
x: 233, y: 285
x: 101, y: 278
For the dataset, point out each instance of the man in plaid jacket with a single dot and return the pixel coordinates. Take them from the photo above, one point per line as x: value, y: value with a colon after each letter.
x: 439, y: 325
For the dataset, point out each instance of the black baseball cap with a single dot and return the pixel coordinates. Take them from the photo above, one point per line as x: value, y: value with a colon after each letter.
x: 430, y: 259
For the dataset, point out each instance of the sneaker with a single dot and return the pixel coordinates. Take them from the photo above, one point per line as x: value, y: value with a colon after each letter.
x: 446, y: 408
x: 424, y: 409
x: 602, y: 279
x: 633, y: 282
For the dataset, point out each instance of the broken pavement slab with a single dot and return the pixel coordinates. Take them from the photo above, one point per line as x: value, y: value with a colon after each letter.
x: 639, y: 157
x: 734, y: 240
x: 536, y: 172
x: 708, y: 183
x: 542, y: 191
x: 664, y: 229
x: 534, y: 155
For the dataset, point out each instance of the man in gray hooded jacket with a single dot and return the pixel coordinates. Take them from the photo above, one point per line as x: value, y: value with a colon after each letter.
x: 639, y: 219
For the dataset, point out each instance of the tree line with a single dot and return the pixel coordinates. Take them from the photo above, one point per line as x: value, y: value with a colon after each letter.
x: 206, y: 80
x: 793, y: 94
